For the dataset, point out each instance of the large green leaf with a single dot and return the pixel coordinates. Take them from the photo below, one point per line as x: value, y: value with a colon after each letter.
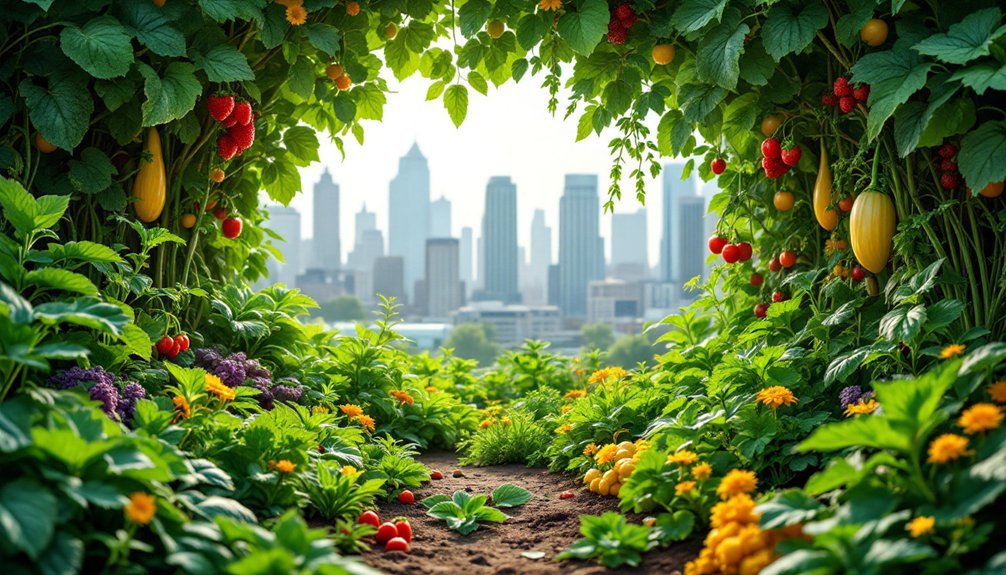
x: 719, y: 52
x: 915, y: 401
x: 983, y: 77
x: 789, y: 507
x: 15, y: 425
x: 912, y: 119
x: 983, y: 155
x: 62, y: 111
x: 324, y: 37
x: 60, y: 279
x: 302, y: 143
x: 64, y: 556
x: 281, y: 180
x: 169, y: 97
x: 692, y: 15
x: 87, y: 312
x: 92, y: 171
x: 510, y: 495
x: 224, y: 63
x: 456, y: 102
x: 894, y: 76
x: 152, y: 28
x: 698, y: 100
x: 903, y: 323
x: 103, y: 47
x: 473, y: 16
x: 583, y: 28
x: 966, y: 40
x: 861, y: 431
x: 791, y: 27
x: 29, y: 214
x: 27, y: 516
x: 223, y: 10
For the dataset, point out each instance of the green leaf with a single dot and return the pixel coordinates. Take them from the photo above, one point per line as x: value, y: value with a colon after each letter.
x: 137, y: 341
x: 903, y: 323
x: 983, y: 155
x: 281, y: 180
x: 912, y: 119
x: 224, y: 63
x: 984, y: 357
x: 15, y: 425
x: 324, y: 37
x: 719, y: 51
x: 84, y: 252
x: 585, y: 125
x: 60, y: 279
x: 530, y: 30
x: 489, y: 514
x: 87, y: 312
x: 456, y: 102
x: 915, y: 401
x: 432, y: 500
x: 966, y: 40
x: 756, y: 65
x: 169, y: 97
x: 300, y: 80
x: 476, y: 81
x: 673, y: 526
x: 860, y: 431
x: 955, y: 117
x: 27, y: 516
x: 302, y: 143
x: 698, y: 100
x: 64, y: 556
x: 509, y: 495
x: 672, y: 133
x: 982, y: 77
x: 224, y: 10
x: 845, y: 365
x: 583, y: 29
x: 152, y: 28
x: 691, y: 15
x: 894, y: 76
x: 444, y: 510
x: 848, y: 26
x: 789, y: 28
x: 59, y: 111
x: 103, y: 47
x: 473, y: 16
x: 789, y: 507
x: 91, y: 172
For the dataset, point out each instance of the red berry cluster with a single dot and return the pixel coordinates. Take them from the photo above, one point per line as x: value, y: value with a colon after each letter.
x: 845, y: 95
x: 732, y: 253
x: 950, y: 179
x: 237, y: 118
x: 777, y: 161
x: 622, y: 19
x: 170, y: 347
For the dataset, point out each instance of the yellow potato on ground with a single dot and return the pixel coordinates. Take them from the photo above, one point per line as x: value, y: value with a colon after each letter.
x: 628, y: 446
x: 626, y: 470
x: 610, y: 476
x: 614, y: 489
x: 591, y: 475
x: 623, y: 454
x: 595, y: 484
x: 604, y: 486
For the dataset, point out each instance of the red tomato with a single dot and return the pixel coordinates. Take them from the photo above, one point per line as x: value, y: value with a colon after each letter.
x: 774, y: 265
x: 436, y: 475
x: 231, y: 228
x: 746, y: 251
x: 174, y: 351
x: 369, y: 518
x: 183, y: 341
x: 756, y: 279
x: 566, y: 495
x: 404, y: 529
x: 858, y: 274
x: 220, y: 213
x: 716, y: 244
x: 386, y: 532
x: 406, y: 497
x: 397, y: 544
x: 164, y: 345
x: 778, y: 296
x: 718, y: 165
x: 761, y: 310
x: 731, y: 253
x: 845, y: 204
x: 787, y: 259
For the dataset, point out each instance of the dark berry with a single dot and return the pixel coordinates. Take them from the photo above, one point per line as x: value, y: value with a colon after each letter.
x: 950, y: 181
x: 947, y: 151
x: 842, y: 87
x: 846, y: 104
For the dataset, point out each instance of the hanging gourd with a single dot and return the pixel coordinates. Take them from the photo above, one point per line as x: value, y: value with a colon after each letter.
x: 150, y: 185
x: 827, y: 217
x: 871, y: 229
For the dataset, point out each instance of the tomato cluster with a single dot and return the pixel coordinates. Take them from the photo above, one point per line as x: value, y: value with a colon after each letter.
x: 395, y: 535
x: 170, y: 347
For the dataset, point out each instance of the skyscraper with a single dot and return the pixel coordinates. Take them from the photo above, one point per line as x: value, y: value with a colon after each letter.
x: 369, y: 242
x: 690, y: 239
x: 285, y: 221
x: 499, y: 229
x: 408, y: 217
x: 629, y: 254
x: 443, y: 281
x: 327, y: 248
x: 388, y: 277
x: 536, y: 289
x: 674, y: 188
x: 581, y: 249
x: 440, y: 219
x: 364, y: 221
x: 466, y: 254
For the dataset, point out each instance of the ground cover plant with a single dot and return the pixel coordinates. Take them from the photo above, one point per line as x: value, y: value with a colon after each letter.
x: 830, y: 403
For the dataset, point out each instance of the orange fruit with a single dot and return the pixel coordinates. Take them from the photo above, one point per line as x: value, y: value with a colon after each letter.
x: 874, y: 32
x: 769, y: 124
x: 188, y: 220
x: 343, y: 82
x: 352, y: 8
x: 43, y: 145
x: 663, y: 53
x: 495, y: 29
x: 217, y: 175
x: 334, y: 71
x: 993, y: 190
x: 159, y: 3
x: 783, y: 201
x: 390, y: 31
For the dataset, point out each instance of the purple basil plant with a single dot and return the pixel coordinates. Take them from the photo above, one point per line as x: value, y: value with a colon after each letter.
x: 238, y: 369
x: 118, y: 403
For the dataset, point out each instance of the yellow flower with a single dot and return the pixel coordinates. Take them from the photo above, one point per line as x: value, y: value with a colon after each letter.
x: 217, y: 388
x: 997, y: 391
x: 575, y: 394
x: 614, y: 373
x: 921, y: 525
x: 683, y: 457
x: 606, y: 454
x: 738, y: 509
x: 320, y: 409
x: 549, y: 5
x: 296, y: 15
x: 504, y: 421
x: 702, y: 471
x: 365, y: 420
x: 952, y: 350
x: 141, y: 508
x: 566, y: 408
x: 684, y: 487
x: 564, y: 428
x: 591, y: 449
x: 349, y: 470
x: 861, y: 408
x: 182, y: 408
x: 735, y: 482
x: 283, y: 465
x: 432, y: 389
x: 351, y: 410
x: 486, y: 423
x: 402, y: 396
x: 980, y: 417
x: 947, y: 447
x: 775, y: 396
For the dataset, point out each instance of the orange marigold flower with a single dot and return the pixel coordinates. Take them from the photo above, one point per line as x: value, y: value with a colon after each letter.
x: 566, y: 408
x: 432, y: 389
x: 402, y: 396
x: 952, y: 350
x: 320, y: 409
x: 590, y: 449
x: 351, y: 410
x: 505, y: 421
x: 182, y: 408
x: 485, y: 423
x: 684, y: 487
x: 980, y: 417
x: 683, y: 457
x: 775, y: 396
x: 738, y: 509
x: 997, y: 391
x: 283, y: 466
x: 606, y: 454
x: 735, y: 482
x: 702, y: 471
x: 575, y: 394
x: 296, y: 15
x: 614, y: 373
x: 947, y: 447
x: 141, y: 508
x: 349, y: 470
x: 861, y: 408
x: 216, y: 387
x: 366, y: 421
x: 550, y: 5
x: 921, y: 525
x: 564, y: 428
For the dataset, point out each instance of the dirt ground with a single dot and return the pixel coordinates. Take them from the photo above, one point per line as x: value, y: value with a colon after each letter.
x: 546, y: 523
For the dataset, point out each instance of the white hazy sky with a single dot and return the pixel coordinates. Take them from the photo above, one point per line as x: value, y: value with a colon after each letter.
x: 509, y: 132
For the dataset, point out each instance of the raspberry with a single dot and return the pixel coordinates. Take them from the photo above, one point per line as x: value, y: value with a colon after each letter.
x: 947, y: 151
x: 628, y: 22
x: 623, y: 11
x: 243, y: 136
x: 220, y: 107
x: 846, y: 104
x: 618, y: 35
x: 842, y: 87
x: 861, y: 93
x: 226, y: 147
x: 242, y: 113
x: 791, y: 157
x: 948, y: 166
x: 718, y: 165
x: 829, y: 100
x: 615, y: 24
x: 770, y: 148
x: 950, y: 181
x: 774, y: 167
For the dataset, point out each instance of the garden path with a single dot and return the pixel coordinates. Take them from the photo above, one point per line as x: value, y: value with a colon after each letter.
x: 546, y: 524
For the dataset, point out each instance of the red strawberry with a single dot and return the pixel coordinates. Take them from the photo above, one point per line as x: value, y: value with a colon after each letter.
x: 846, y: 104
x: 778, y: 296
x: 624, y: 10
x: 948, y: 166
x: 406, y: 497
x: 220, y: 107
x: 791, y: 157
x: 718, y: 165
x: 618, y: 35
x: 774, y: 265
x: 947, y: 151
x: 770, y: 148
x: 230, y: 122
x: 950, y: 180
x: 397, y: 544
x: 774, y: 167
x: 404, y: 529
x: 243, y: 136
x: 174, y: 351
x: 829, y: 100
x: 861, y: 93
x: 226, y: 147
x: 842, y: 87
x: 369, y: 518
x: 242, y: 113
x: 386, y: 532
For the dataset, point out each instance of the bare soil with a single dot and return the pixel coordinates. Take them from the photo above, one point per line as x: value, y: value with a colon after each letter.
x: 546, y: 523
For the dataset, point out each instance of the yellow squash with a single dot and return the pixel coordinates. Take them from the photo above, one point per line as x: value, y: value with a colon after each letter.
x: 828, y: 218
x: 871, y: 229
x: 150, y: 185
